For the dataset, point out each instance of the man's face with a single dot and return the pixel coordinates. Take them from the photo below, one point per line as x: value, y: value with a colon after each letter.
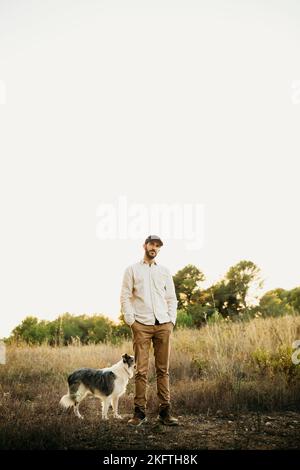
x: 151, y: 249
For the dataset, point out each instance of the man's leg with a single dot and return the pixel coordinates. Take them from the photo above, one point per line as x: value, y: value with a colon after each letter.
x: 142, y: 335
x: 162, y: 347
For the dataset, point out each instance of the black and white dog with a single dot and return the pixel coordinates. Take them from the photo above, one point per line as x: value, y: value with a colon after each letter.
x: 107, y: 384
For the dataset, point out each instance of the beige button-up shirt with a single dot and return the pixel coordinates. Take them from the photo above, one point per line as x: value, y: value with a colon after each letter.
x: 147, y: 294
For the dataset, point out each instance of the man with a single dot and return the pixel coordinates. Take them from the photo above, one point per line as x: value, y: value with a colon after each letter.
x: 149, y: 304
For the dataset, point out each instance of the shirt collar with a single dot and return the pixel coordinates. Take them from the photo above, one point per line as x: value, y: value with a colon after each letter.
x: 143, y: 262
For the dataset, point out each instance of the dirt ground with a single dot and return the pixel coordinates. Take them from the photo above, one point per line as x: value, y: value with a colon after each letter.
x: 216, y: 431
x: 246, y: 431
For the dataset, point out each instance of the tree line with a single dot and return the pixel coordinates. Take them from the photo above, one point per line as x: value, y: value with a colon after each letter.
x: 235, y: 297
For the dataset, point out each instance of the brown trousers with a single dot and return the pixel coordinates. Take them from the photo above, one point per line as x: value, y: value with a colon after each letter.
x: 160, y: 336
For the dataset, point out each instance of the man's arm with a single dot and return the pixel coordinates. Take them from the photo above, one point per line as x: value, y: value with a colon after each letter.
x: 126, y: 296
x: 171, y: 298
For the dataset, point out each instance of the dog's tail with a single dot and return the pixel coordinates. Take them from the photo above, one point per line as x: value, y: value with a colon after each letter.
x: 66, y: 401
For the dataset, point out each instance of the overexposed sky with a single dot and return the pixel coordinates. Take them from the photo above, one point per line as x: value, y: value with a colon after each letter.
x: 156, y: 102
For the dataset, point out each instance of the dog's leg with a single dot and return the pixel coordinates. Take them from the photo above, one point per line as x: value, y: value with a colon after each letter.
x: 115, y: 403
x: 76, y: 411
x: 80, y: 394
x: 105, y: 406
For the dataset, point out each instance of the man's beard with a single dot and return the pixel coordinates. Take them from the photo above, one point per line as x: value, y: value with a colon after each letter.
x: 150, y: 254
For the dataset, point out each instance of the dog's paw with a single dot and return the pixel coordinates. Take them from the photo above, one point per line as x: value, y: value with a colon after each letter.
x: 105, y: 418
x: 117, y: 416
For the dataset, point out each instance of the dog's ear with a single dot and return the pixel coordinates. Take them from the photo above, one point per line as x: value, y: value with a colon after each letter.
x: 124, y: 356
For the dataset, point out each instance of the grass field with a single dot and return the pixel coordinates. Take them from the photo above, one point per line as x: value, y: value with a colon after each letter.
x: 233, y: 385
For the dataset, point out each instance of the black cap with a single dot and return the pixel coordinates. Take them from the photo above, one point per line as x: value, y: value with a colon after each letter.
x: 152, y: 238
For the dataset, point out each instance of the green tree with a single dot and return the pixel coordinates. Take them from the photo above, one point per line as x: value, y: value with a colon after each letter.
x: 201, y: 314
x: 241, y: 278
x: 184, y: 319
x: 231, y: 294
x: 64, y: 329
x: 293, y: 299
x: 186, y: 283
x: 31, y: 330
x: 87, y: 328
x: 101, y: 329
x: 274, y: 303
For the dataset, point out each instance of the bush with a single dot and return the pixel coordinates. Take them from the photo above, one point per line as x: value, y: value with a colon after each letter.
x: 62, y: 331
x: 201, y: 314
x: 279, y: 362
x: 184, y: 320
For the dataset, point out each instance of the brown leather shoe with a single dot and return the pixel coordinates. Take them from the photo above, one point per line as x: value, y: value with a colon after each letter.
x: 165, y: 417
x: 138, y: 418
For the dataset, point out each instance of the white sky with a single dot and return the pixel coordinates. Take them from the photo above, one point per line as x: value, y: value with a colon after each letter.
x: 161, y: 102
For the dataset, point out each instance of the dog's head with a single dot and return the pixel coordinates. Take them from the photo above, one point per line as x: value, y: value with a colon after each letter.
x: 128, y: 362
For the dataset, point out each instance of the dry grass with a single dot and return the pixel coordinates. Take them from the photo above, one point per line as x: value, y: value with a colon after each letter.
x: 222, y: 367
